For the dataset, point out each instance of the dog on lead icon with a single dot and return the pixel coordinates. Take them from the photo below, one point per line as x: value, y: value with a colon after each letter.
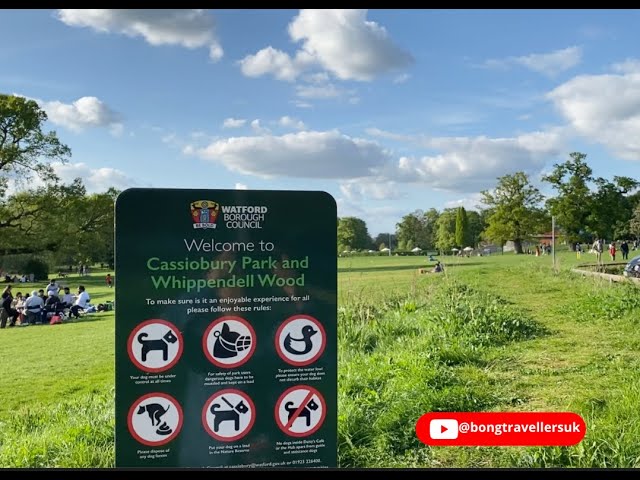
x: 229, y: 342
x: 155, y: 345
x: 228, y: 415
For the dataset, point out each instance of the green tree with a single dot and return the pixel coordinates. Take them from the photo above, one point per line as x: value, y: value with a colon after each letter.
x: 462, y: 228
x: 446, y: 230
x: 634, y: 223
x: 515, y: 210
x: 612, y: 207
x: 431, y: 226
x: 413, y: 228
x: 383, y: 239
x: 88, y: 238
x: 35, y: 219
x: 352, y: 234
x: 574, y: 202
x: 25, y: 149
x: 476, y: 227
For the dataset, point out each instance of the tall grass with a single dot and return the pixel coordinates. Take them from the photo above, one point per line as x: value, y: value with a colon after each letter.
x: 74, y: 433
x: 404, y: 356
x: 611, y: 440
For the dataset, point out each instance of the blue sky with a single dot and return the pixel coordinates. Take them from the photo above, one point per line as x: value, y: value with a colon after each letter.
x: 387, y: 110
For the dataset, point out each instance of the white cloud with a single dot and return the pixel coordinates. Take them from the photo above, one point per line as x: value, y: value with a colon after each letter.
x: 171, y: 139
x: 549, y: 64
x: 368, y: 171
x: 189, y: 150
x: 184, y: 27
x: 371, y: 188
x: 378, y: 218
x: 233, y: 122
x: 604, y: 109
x: 630, y: 65
x: 472, y: 202
x: 328, y: 90
x: 348, y: 45
x: 289, y: 122
x: 272, y: 61
x: 306, y: 154
x: 376, y: 132
x: 403, y: 77
x: 342, y: 42
x: 470, y: 164
x: 86, y: 112
x: 241, y: 186
x: 258, y: 128
x: 301, y: 104
x: 94, y: 179
x: 117, y: 129
x: 317, y: 78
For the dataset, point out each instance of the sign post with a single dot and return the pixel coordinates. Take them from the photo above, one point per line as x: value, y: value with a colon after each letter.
x: 226, y: 328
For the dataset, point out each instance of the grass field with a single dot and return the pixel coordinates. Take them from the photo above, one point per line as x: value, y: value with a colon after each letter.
x: 498, y: 333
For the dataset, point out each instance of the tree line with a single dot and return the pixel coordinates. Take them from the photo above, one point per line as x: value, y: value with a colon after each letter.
x: 585, y: 208
x: 40, y: 215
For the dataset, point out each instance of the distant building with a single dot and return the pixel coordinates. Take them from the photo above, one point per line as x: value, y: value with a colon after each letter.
x: 547, y: 238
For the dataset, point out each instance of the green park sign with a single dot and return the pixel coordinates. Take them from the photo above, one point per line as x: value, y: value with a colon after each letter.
x: 226, y: 328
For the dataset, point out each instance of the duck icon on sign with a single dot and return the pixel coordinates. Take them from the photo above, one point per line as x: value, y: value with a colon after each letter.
x: 300, y: 340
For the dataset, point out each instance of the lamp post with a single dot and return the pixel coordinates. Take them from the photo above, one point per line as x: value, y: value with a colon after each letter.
x: 389, y: 244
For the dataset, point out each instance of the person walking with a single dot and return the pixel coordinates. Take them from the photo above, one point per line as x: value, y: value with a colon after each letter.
x: 578, y: 250
x: 624, y: 248
x: 598, y: 247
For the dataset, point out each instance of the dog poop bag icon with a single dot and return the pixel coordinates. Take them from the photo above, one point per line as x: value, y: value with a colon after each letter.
x: 229, y: 343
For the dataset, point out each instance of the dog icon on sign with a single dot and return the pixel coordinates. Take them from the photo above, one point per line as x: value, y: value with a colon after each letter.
x: 228, y: 415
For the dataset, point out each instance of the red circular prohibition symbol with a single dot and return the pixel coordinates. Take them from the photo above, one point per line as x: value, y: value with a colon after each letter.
x: 303, y: 363
x: 213, y: 325
x: 164, y: 440
x: 131, y: 339
x: 312, y: 392
x: 207, y: 404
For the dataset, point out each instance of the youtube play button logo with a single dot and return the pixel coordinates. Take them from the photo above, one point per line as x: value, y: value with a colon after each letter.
x: 443, y: 429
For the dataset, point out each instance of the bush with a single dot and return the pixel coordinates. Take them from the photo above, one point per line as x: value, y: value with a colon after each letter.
x: 36, y: 266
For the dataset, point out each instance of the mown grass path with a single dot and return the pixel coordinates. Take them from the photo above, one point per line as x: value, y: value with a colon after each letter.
x: 586, y: 363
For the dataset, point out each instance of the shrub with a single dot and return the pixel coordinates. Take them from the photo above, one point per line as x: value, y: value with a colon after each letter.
x: 39, y: 268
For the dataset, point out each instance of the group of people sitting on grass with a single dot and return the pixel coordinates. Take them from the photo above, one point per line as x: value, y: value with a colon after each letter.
x: 38, y: 308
